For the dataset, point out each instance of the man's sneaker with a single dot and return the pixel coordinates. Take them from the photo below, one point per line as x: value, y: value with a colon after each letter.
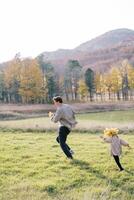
x: 71, y: 151
x: 70, y: 158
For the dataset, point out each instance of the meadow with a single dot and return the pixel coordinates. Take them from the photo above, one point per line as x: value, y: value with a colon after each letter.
x: 33, y: 167
x: 86, y: 122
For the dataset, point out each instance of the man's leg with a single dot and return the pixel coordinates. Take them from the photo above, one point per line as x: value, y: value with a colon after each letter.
x: 63, y: 132
x: 57, y: 139
x: 117, y: 160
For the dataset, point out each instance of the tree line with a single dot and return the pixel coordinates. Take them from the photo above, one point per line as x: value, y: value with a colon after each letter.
x: 35, y: 81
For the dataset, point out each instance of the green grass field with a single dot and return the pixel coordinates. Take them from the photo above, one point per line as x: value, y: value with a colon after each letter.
x: 110, y: 116
x: 33, y: 167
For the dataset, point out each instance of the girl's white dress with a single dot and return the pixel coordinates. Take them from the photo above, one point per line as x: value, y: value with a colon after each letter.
x: 116, y: 144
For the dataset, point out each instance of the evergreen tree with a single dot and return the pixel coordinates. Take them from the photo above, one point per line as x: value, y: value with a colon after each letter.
x: 89, y: 80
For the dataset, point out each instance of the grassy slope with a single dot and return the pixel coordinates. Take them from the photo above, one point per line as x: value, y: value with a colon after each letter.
x: 32, y: 167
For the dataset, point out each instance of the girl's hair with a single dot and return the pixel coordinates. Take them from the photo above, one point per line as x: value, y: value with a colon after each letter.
x: 58, y: 99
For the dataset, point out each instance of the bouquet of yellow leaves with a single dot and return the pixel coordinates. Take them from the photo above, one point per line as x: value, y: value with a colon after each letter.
x: 111, y: 131
x: 50, y: 114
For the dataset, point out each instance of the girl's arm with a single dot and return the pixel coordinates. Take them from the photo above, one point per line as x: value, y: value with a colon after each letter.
x: 108, y: 139
x: 124, y: 143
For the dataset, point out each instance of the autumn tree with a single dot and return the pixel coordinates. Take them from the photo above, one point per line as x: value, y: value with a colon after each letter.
x: 49, y: 77
x: 12, y: 79
x: 116, y: 81
x: 123, y: 68
x: 72, y: 77
x: 108, y: 84
x: 3, y: 93
x: 99, y: 82
x: 83, y: 89
x: 131, y: 80
x: 31, y: 82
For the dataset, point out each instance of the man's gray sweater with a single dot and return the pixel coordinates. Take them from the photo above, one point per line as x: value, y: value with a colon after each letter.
x: 65, y: 116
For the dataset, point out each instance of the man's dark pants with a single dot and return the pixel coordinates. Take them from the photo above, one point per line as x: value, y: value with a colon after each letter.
x: 61, y: 139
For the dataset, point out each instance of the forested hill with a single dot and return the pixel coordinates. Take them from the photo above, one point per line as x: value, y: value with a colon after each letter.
x: 37, y: 80
x: 98, y: 53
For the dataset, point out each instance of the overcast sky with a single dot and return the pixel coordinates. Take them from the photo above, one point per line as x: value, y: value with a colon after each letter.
x: 33, y: 26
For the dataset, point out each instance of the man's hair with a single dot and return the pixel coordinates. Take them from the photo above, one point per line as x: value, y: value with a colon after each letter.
x: 58, y: 99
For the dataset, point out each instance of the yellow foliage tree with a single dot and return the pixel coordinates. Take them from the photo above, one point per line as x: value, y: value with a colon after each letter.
x: 114, y: 81
x: 131, y: 80
x: 99, y: 84
x: 131, y: 77
x: 12, y: 79
x: 31, y: 81
x: 83, y: 89
x: 124, y: 67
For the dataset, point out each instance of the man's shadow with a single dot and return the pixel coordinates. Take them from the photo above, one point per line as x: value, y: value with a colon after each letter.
x: 85, y: 166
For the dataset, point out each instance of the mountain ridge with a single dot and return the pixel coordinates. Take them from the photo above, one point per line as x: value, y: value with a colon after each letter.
x: 98, y: 53
x: 108, y: 39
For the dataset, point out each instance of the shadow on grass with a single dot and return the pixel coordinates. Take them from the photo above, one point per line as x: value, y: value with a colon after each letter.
x: 85, y: 166
x: 50, y: 189
x: 113, y: 182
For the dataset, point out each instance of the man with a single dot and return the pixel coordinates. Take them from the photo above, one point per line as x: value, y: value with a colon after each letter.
x: 66, y: 118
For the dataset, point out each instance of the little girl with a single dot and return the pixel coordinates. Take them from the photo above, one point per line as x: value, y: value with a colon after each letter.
x: 110, y: 136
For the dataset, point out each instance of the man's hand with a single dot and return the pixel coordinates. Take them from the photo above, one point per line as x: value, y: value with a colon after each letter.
x: 50, y: 114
